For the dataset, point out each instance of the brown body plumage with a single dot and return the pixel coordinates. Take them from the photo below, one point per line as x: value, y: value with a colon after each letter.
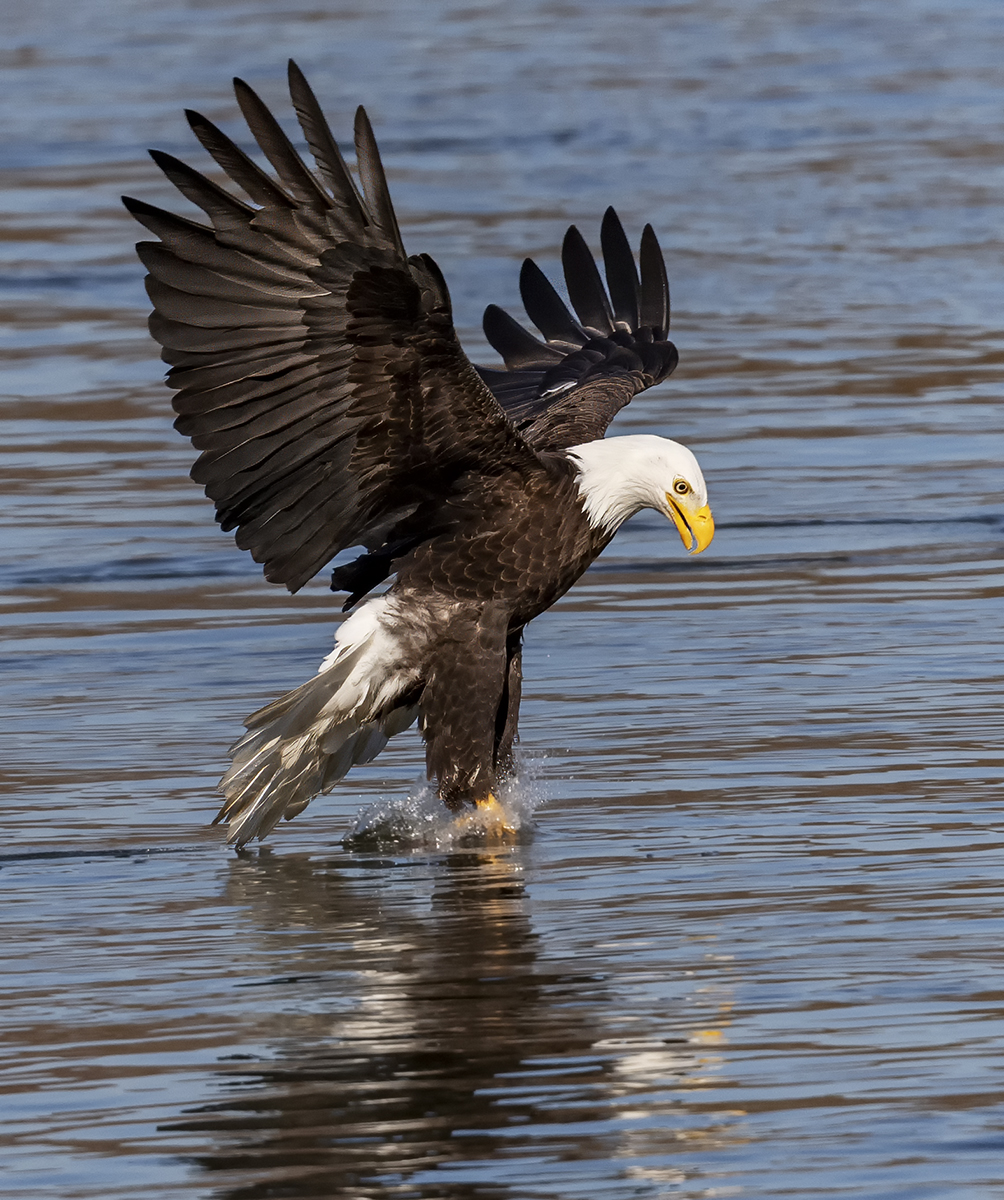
x: 318, y: 372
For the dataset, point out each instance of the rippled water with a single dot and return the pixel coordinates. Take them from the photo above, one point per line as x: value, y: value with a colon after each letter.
x: 754, y: 948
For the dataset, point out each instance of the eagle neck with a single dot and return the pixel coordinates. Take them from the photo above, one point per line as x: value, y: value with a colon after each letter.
x: 609, y: 490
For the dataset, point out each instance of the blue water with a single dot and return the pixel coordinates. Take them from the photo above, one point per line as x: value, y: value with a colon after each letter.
x: 753, y: 948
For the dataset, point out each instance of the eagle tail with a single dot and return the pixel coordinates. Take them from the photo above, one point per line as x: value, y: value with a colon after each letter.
x: 306, y: 741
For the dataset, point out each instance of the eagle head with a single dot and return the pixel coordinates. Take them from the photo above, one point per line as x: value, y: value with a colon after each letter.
x: 619, y: 476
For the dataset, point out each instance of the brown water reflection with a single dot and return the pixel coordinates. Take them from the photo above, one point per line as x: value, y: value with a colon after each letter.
x: 419, y: 1045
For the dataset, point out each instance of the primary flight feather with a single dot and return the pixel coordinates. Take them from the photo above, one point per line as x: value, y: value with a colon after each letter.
x: 318, y: 372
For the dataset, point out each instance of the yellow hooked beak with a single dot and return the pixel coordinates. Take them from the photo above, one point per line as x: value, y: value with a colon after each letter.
x: 696, y: 527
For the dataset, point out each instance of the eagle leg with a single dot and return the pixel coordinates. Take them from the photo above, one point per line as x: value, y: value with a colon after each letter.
x: 460, y: 706
x: 507, y: 716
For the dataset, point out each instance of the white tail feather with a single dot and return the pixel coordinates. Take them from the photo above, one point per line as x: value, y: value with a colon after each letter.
x: 307, y: 740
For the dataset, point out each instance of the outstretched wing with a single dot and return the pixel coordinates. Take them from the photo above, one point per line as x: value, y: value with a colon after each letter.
x: 317, y: 367
x: 568, y: 388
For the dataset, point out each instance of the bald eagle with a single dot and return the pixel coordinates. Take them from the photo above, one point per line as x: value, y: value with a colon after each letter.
x: 317, y: 370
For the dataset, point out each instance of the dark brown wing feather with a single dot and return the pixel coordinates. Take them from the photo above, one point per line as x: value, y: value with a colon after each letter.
x: 317, y: 366
x: 567, y: 389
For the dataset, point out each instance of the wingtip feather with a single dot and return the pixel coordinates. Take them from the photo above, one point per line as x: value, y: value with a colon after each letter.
x: 374, y: 180
x: 619, y: 267
x: 585, y: 288
x: 323, y: 146
x: 517, y: 346
x: 545, y: 307
x: 655, y: 306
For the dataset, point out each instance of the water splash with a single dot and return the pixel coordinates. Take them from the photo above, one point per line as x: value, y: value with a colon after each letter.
x: 420, y: 821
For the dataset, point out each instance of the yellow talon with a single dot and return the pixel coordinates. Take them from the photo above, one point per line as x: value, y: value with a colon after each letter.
x: 489, y: 819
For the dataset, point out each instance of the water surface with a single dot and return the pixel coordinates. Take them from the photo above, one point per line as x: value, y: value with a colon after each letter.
x: 754, y: 946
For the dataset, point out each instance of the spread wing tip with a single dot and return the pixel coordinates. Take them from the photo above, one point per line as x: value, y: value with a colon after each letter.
x: 620, y: 270
x: 617, y: 338
x: 634, y: 301
x: 655, y: 308
x: 374, y: 180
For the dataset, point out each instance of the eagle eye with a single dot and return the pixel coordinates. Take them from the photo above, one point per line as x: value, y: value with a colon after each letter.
x: 681, y: 487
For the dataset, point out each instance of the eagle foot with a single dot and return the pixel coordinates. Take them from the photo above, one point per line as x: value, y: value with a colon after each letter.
x: 488, y: 819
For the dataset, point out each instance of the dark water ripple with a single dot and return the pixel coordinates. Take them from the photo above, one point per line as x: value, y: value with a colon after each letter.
x: 754, y: 947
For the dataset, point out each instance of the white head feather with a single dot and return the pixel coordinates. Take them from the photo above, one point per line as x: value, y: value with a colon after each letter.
x: 620, y: 476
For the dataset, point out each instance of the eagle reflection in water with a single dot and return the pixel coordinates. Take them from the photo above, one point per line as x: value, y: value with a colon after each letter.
x: 412, y: 1033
